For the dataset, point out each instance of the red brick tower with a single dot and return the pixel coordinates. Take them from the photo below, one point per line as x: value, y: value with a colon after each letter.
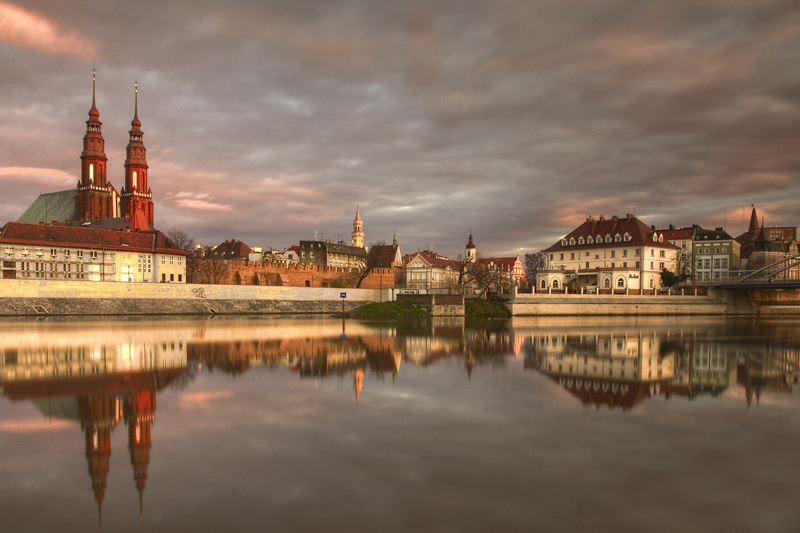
x: 136, y: 195
x: 99, y: 415
x: 95, y: 197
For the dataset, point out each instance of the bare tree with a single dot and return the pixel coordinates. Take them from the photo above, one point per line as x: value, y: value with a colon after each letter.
x: 533, y: 263
x: 209, y: 268
x: 372, y: 261
x: 181, y: 239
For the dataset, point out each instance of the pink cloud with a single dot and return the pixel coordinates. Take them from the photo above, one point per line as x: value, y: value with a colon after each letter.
x: 28, y: 29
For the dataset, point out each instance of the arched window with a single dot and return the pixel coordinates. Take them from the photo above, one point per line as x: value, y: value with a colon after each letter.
x: 606, y: 283
x: 621, y: 283
x: 555, y: 283
x: 133, y: 179
x: 91, y: 173
x: 652, y: 283
x: 544, y: 284
x: 308, y: 283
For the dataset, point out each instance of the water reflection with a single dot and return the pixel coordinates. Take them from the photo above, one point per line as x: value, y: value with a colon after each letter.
x: 97, y: 378
x: 103, y: 375
x: 615, y: 366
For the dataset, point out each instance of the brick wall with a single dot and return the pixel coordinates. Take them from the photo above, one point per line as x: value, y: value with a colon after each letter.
x: 295, y: 275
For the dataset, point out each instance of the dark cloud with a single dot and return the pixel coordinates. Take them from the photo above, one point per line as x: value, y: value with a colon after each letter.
x: 268, y: 121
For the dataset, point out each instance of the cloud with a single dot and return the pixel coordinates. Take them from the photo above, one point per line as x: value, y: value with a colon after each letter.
x: 45, y: 176
x: 199, y: 202
x: 31, y: 30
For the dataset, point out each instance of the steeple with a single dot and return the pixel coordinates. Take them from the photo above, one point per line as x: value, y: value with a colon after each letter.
x: 470, y: 250
x: 753, y: 220
x: 136, y: 195
x: 94, y: 197
x: 358, y: 231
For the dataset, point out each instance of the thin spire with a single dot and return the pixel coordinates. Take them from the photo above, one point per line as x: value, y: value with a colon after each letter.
x: 136, y: 123
x: 93, y: 112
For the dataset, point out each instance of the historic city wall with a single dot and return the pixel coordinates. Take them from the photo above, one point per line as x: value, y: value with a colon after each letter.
x: 41, y: 297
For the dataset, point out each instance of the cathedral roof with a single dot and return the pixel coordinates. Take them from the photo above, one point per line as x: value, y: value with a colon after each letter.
x: 51, y: 206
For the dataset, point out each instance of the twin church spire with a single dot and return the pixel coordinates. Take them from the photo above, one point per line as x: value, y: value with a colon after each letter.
x: 96, y: 198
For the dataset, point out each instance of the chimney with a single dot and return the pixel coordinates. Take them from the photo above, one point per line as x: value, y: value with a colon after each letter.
x: 628, y: 217
x: 594, y: 225
x: 602, y: 218
x: 55, y: 223
x: 97, y: 220
x: 67, y: 223
x: 42, y: 223
x: 672, y: 226
x: 127, y: 217
x: 614, y: 222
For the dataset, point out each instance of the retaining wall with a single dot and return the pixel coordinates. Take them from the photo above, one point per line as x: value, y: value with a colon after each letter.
x: 579, y: 304
x: 41, y: 297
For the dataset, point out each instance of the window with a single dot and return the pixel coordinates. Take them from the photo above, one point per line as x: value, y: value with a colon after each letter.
x: 624, y: 253
x: 626, y: 237
x: 53, y: 252
x: 608, y: 238
x: 589, y: 240
x: 555, y: 283
x: 172, y: 260
x: 9, y: 249
x: 716, y: 263
x: 587, y: 264
x: 93, y: 254
x: 613, y: 265
x: 563, y: 242
x: 180, y: 262
x: 172, y: 277
x: 613, y: 253
x: 572, y: 241
x: 606, y: 283
x: 637, y: 264
x: 620, y: 283
x: 544, y: 284
x: 66, y: 253
x: 79, y: 253
x: 551, y: 257
x: 651, y: 265
x: 163, y: 261
x: 724, y: 263
x: 572, y: 256
x: 652, y: 283
x: 661, y: 266
x: 662, y: 253
x: 180, y: 277
x: 562, y: 257
x: 580, y: 240
x: 652, y: 253
x: 617, y: 238
x: 624, y: 264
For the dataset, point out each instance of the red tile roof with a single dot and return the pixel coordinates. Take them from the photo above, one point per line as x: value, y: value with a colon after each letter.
x: 232, y: 250
x: 80, y: 237
x: 639, y: 233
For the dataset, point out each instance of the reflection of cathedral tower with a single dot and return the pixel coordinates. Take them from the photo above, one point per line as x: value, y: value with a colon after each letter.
x: 136, y: 195
x: 140, y: 408
x: 358, y: 230
x: 99, y: 415
x: 95, y: 197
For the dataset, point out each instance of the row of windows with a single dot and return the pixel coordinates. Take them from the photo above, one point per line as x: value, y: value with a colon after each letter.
x: 599, y: 239
x: 706, y: 263
x: 717, y: 250
x: 9, y: 250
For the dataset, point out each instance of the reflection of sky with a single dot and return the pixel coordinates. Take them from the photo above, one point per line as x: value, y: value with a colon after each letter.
x: 505, y: 449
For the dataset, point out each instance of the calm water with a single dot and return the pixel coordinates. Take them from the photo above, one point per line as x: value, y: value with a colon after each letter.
x: 664, y: 424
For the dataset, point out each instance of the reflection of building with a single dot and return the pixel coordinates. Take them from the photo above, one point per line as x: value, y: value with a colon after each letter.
x: 774, y: 369
x: 108, y: 382
x: 702, y: 367
x: 614, y: 369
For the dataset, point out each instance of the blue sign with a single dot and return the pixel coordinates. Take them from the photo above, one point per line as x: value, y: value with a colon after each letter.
x: 343, y: 295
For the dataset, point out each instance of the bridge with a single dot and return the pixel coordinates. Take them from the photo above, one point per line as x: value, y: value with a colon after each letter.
x: 783, y: 274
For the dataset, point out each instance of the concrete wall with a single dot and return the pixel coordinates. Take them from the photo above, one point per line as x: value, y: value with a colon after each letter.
x: 602, y: 305
x: 40, y: 297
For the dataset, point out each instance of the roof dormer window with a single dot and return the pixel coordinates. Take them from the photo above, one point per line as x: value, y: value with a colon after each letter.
x: 626, y: 237
x: 589, y: 240
x: 617, y: 238
x: 563, y: 242
x: 580, y: 240
x: 572, y: 241
x: 608, y: 238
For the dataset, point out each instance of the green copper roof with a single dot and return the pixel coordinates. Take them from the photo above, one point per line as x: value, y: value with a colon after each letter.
x: 51, y: 206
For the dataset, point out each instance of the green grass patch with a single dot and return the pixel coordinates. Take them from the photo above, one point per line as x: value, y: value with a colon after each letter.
x: 387, y: 309
x: 484, y: 308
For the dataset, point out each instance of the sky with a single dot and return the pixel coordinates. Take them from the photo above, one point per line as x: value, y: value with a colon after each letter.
x: 269, y: 121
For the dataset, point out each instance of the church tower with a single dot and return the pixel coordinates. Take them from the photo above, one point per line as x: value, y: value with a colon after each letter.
x: 140, y: 408
x: 358, y: 230
x: 470, y: 251
x: 136, y: 195
x: 95, y: 197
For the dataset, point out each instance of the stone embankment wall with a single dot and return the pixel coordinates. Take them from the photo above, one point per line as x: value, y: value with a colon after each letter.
x: 601, y: 305
x: 40, y: 297
x: 435, y: 304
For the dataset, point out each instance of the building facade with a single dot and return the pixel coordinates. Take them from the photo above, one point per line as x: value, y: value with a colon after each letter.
x: 614, y: 255
x: 80, y: 254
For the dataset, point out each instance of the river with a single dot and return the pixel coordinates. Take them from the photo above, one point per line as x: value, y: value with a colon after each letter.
x: 298, y: 424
